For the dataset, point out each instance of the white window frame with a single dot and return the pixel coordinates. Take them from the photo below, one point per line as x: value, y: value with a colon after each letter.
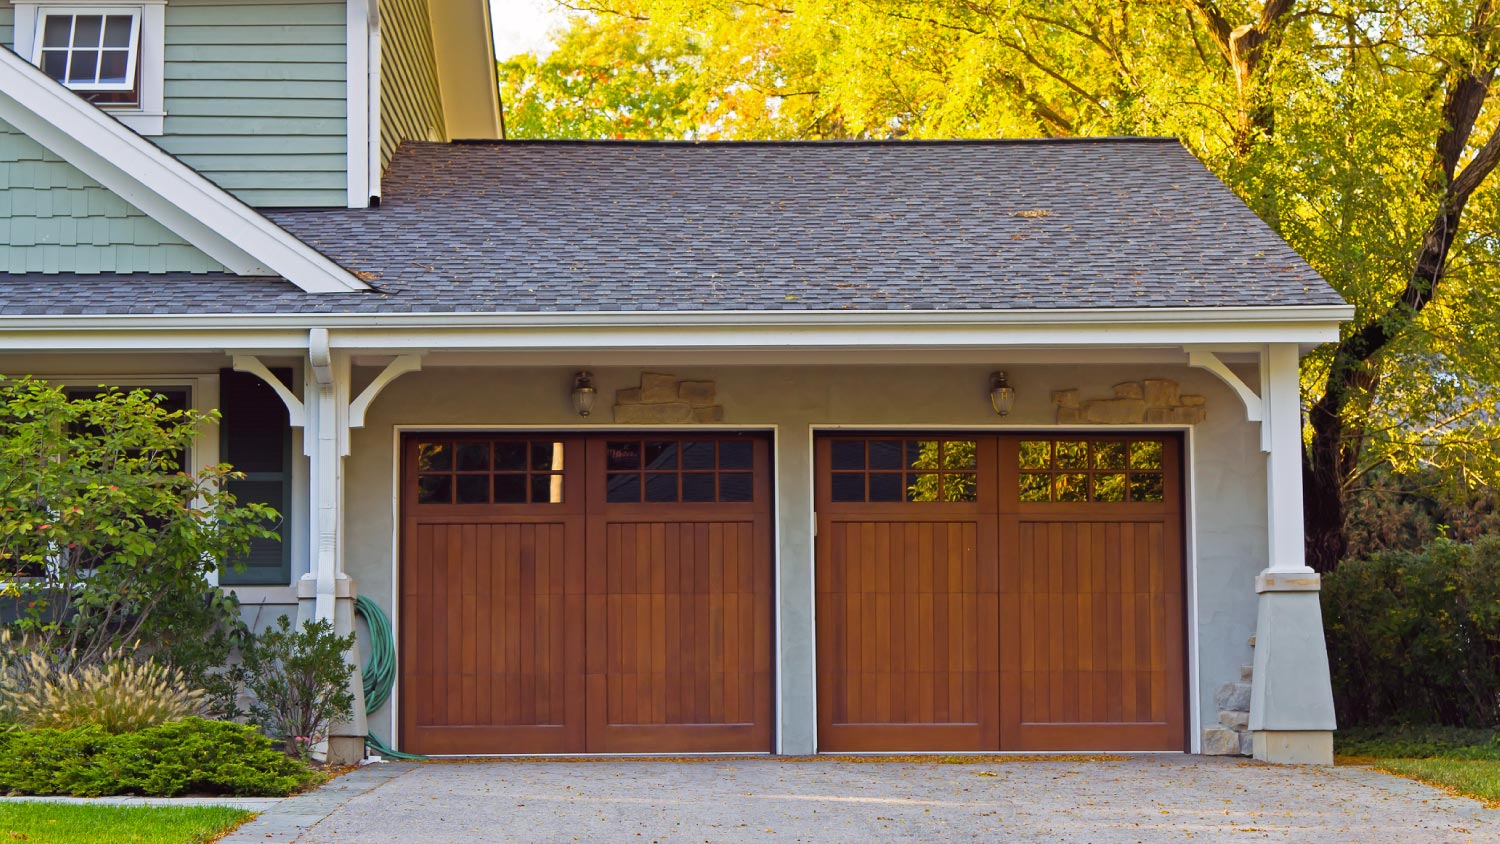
x: 149, y: 113
x: 70, y: 49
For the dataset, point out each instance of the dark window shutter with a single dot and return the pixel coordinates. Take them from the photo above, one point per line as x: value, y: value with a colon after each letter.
x: 256, y: 439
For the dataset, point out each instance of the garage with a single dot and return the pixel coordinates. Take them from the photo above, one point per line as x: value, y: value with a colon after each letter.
x: 586, y: 594
x: 1000, y: 592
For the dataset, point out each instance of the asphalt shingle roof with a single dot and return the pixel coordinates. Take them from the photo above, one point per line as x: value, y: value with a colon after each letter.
x: 625, y: 226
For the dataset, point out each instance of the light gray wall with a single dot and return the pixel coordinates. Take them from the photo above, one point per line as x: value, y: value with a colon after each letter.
x: 1227, y: 476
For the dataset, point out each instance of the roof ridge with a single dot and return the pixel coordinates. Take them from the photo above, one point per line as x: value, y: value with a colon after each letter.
x: 839, y: 142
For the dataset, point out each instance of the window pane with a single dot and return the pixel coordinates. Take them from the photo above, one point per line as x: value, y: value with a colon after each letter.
x: 1145, y: 455
x: 473, y: 489
x: 434, y: 457
x: 546, y: 489
x: 736, y: 486
x: 1072, y: 454
x: 1036, y: 455
x: 922, y: 454
x: 473, y: 457
x: 849, y: 454
x: 960, y: 454
x: 1146, y: 487
x: 922, y: 488
x: 547, y: 456
x: 960, y: 488
x: 661, y: 486
x: 510, y: 456
x: 661, y: 454
x: 85, y: 64
x: 622, y: 455
x: 1072, y: 487
x: 1109, y: 487
x: 885, y: 486
x: 112, y: 66
x: 697, y: 455
x: 737, y: 454
x: 55, y: 64
x: 435, y: 489
x: 623, y: 489
x: 1036, y: 487
x: 510, y: 489
x: 59, y: 27
x: 117, y: 31
x: 885, y: 454
x: 1109, y: 455
x: 848, y: 486
x: 86, y: 30
x: 697, y: 486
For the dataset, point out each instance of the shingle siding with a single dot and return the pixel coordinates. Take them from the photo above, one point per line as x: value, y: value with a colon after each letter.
x: 55, y: 219
x: 411, y: 106
x: 7, y: 24
x: 255, y: 98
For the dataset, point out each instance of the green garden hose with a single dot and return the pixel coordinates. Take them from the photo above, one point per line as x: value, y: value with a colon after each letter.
x: 380, y: 671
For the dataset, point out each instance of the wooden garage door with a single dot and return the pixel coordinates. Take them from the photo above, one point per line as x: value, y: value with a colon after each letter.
x: 1000, y: 592
x: 586, y: 595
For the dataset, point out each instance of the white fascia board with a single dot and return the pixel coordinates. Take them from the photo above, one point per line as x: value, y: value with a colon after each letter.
x: 162, y: 187
x: 704, y: 330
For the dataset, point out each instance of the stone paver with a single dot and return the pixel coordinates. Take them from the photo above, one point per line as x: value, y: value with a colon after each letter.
x: 292, y: 816
x: 830, y: 801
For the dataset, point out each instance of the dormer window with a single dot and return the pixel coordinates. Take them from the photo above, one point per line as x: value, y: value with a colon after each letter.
x: 110, y: 52
x: 92, y: 53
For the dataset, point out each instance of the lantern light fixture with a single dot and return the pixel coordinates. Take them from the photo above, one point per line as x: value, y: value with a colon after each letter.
x: 1002, y: 394
x: 584, y: 393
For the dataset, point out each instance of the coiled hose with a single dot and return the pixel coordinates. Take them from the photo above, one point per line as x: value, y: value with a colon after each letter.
x: 380, y: 671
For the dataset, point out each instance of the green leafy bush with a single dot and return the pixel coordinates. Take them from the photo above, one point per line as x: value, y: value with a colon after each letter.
x: 1414, y: 637
x: 300, y: 680
x: 191, y: 756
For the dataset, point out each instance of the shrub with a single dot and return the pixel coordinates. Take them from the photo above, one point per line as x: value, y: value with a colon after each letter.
x: 99, y: 522
x: 191, y: 756
x: 300, y: 680
x: 1414, y: 637
x: 120, y: 695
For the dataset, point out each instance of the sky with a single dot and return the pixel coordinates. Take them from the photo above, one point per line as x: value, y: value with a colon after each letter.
x: 521, y: 26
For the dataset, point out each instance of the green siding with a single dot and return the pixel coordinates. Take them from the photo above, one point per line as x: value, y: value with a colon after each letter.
x: 255, y: 94
x: 53, y: 219
x: 411, y: 105
x: 7, y: 24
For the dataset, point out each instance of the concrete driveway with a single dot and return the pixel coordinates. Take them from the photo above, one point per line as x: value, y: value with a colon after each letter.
x: 828, y: 801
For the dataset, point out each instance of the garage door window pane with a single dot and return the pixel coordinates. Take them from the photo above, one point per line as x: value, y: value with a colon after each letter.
x: 1072, y: 487
x: 885, y: 486
x: 661, y: 487
x: 1145, y: 455
x: 697, y: 455
x: 510, y: 489
x: 623, y: 489
x: 1036, y: 455
x: 510, y: 457
x: 1107, y: 470
x: 885, y: 454
x: 1072, y: 455
x: 736, y: 454
x: 848, y: 486
x: 1036, y: 487
x: 622, y: 455
x: 1146, y: 487
x: 697, y: 486
x: 1109, y: 455
x: 434, y: 457
x: 435, y: 489
x: 473, y: 457
x: 848, y: 454
x: 736, y: 487
x: 546, y: 489
x: 473, y: 489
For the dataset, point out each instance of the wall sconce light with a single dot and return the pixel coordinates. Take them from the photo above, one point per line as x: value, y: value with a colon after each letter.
x: 584, y: 393
x: 1002, y: 394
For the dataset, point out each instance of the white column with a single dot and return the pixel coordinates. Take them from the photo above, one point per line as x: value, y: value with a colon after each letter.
x: 1291, y: 700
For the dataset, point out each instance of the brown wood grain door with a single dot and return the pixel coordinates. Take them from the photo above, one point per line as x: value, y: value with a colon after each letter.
x: 586, y: 594
x: 1091, y: 593
x: 679, y: 595
x: 906, y: 600
x: 492, y: 601
x: 984, y: 592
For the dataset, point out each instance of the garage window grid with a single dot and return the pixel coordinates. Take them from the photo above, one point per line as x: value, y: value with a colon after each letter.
x: 664, y: 471
x: 881, y: 470
x: 491, y: 471
x: 1098, y: 470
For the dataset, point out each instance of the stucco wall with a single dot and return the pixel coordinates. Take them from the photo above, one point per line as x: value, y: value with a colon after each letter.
x: 1226, y: 483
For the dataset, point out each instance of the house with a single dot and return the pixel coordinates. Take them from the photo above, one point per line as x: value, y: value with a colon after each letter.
x: 684, y: 448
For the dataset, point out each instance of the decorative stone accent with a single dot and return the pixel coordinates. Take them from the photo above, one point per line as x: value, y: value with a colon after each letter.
x: 1231, y: 737
x: 1154, y: 401
x: 664, y: 400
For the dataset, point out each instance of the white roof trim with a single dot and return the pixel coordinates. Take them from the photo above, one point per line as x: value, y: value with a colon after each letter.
x: 163, y: 188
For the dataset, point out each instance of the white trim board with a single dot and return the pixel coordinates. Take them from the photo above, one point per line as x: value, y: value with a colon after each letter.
x: 165, y: 189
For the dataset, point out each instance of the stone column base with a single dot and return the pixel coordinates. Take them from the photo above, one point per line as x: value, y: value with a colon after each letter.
x: 345, y: 750
x: 1293, y: 747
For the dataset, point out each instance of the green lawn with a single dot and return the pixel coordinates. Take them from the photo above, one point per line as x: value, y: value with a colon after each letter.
x: 1462, y: 761
x: 70, y: 823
